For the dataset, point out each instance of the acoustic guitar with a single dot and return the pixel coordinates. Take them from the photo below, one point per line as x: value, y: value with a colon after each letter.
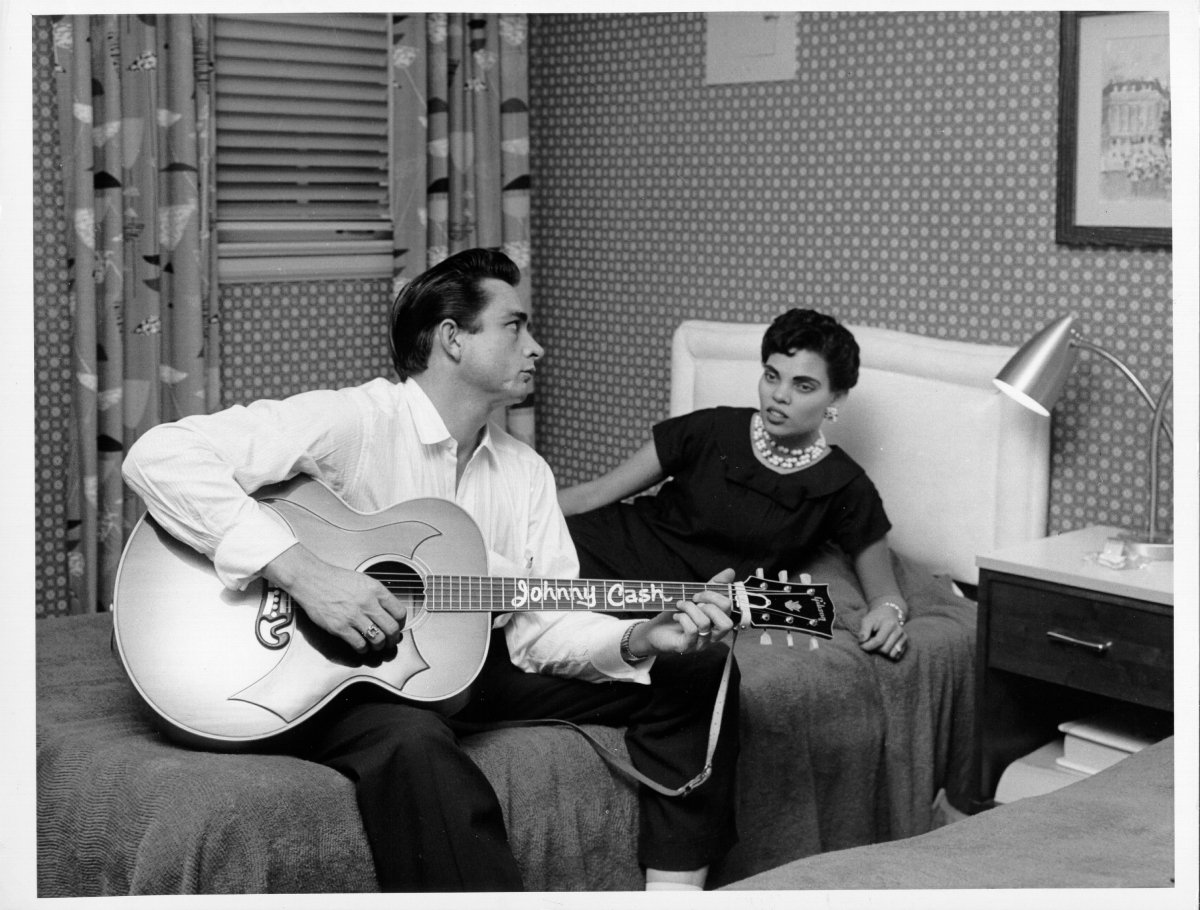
x: 228, y: 669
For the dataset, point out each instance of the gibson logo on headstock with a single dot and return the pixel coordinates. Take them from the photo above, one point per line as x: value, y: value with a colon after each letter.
x: 798, y: 608
x: 802, y: 607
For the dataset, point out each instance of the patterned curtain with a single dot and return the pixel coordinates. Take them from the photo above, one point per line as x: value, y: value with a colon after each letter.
x: 461, y: 146
x: 137, y: 175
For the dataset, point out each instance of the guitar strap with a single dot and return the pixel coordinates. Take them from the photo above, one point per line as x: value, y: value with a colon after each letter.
x: 714, y: 729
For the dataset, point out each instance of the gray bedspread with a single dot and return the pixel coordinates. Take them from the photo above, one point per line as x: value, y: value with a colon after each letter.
x: 123, y: 810
x: 839, y: 748
x: 1112, y: 830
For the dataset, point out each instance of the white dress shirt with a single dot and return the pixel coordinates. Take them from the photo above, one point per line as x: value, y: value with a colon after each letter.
x: 374, y: 445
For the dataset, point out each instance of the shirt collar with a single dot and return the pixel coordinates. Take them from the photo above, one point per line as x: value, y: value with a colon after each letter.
x: 431, y: 428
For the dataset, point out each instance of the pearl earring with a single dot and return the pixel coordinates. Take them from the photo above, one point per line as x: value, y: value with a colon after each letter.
x: 831, y: 414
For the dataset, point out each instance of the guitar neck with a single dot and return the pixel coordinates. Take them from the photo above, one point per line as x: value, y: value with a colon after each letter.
x: 796, y: 606
x: 474, y: 593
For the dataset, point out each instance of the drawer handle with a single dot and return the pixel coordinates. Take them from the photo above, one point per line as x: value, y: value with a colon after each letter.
x: 1100, y: 647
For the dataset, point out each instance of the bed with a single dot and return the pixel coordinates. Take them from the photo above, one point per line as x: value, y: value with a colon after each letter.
x: 1114, y: 829
x: 839, y: 748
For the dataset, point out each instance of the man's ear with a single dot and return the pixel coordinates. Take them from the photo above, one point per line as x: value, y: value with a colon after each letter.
x: 449, y: 337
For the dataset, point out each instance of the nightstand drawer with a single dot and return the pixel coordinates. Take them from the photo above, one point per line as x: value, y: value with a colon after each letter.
x: 1082, y: 640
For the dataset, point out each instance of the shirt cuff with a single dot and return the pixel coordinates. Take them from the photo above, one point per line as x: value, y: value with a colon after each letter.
x: 606, y: 657
x: 248, y: 546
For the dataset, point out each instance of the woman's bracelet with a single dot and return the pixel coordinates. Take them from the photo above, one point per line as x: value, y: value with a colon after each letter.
x: 895, y: 606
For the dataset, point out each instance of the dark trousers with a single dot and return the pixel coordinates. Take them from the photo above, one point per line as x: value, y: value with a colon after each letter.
x: 431, y: 817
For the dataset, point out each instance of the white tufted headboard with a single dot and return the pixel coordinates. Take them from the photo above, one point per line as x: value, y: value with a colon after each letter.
x: 961, y: 468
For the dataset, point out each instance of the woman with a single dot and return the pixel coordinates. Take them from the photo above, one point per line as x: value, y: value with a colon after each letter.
x: 755, y: 488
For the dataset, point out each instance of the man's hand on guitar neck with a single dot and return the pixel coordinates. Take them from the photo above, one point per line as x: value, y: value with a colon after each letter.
x: 695, y: 625
x: 350, y: 605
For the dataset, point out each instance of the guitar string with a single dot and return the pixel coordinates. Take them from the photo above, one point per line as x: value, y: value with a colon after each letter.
x: 567, y: 582
x: 406, y: 581
x: 449, y: 591
x: 493, y: 580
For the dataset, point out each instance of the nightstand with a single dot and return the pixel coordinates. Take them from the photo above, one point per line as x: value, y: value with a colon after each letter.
x: 1061, y: 637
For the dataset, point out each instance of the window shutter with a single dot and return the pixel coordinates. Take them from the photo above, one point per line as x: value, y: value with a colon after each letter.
x: 302, y: 142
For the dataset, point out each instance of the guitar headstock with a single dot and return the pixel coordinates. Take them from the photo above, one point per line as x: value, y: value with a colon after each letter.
x: 794, y: 606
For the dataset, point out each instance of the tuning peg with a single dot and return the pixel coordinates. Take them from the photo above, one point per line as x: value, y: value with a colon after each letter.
x: 765, y: 638
x: 791, y: 644
x: 813, y: 644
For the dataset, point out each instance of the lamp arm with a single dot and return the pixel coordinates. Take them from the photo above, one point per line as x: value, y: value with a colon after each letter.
x: 1157, y: 424
x: 1160, y: 409
x: 1112, y: 358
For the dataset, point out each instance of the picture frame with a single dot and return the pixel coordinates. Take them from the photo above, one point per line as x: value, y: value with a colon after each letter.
x: 1114, y: 139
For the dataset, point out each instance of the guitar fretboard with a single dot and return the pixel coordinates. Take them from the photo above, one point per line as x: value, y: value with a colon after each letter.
x: 473, y: 593
x: 487, y: 593
x: 801, y: 606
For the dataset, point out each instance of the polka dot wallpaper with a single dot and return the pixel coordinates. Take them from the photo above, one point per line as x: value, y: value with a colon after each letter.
x: 282, y: 338
x: 52, y: 332
x: 906, y: 178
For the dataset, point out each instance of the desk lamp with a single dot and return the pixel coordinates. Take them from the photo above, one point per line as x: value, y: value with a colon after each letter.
x: 1036, y: 376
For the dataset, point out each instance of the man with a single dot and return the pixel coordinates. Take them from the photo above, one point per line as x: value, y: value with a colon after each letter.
x: 460, y: 339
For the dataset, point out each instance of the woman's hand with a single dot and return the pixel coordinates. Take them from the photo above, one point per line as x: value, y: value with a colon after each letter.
x: 695, y: 625
x: 882, y: 631
x: 882, y: 628
x: 347, y: 604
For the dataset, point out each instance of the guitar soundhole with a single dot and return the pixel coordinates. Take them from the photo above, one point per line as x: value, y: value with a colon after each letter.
x: 405, y: 584
x: 403, y: 581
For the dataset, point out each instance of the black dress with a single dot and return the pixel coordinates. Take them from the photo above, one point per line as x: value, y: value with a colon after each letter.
x: 723, y: 508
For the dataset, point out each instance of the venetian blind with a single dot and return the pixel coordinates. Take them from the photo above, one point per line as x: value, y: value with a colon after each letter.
x: 302, y: 143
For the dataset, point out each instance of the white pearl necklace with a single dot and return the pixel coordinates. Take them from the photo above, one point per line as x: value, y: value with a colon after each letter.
x: 780, y: 456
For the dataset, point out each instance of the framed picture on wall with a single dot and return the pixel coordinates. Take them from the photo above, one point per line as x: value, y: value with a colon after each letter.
x: 1114, y: 137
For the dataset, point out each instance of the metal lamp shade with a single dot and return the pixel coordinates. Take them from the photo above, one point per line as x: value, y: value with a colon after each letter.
x: 1036, y: 375
x: 1038, y: 372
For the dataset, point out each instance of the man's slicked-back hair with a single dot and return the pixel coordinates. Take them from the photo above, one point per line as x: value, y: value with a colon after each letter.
x: 808, y: 330
x: 452, y: 289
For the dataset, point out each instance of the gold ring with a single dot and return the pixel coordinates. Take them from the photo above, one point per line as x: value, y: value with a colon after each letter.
x: 371, y: 632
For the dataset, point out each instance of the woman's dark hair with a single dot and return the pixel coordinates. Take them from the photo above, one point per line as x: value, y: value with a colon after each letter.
x: 808, y: 330
x: 452, y: 289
